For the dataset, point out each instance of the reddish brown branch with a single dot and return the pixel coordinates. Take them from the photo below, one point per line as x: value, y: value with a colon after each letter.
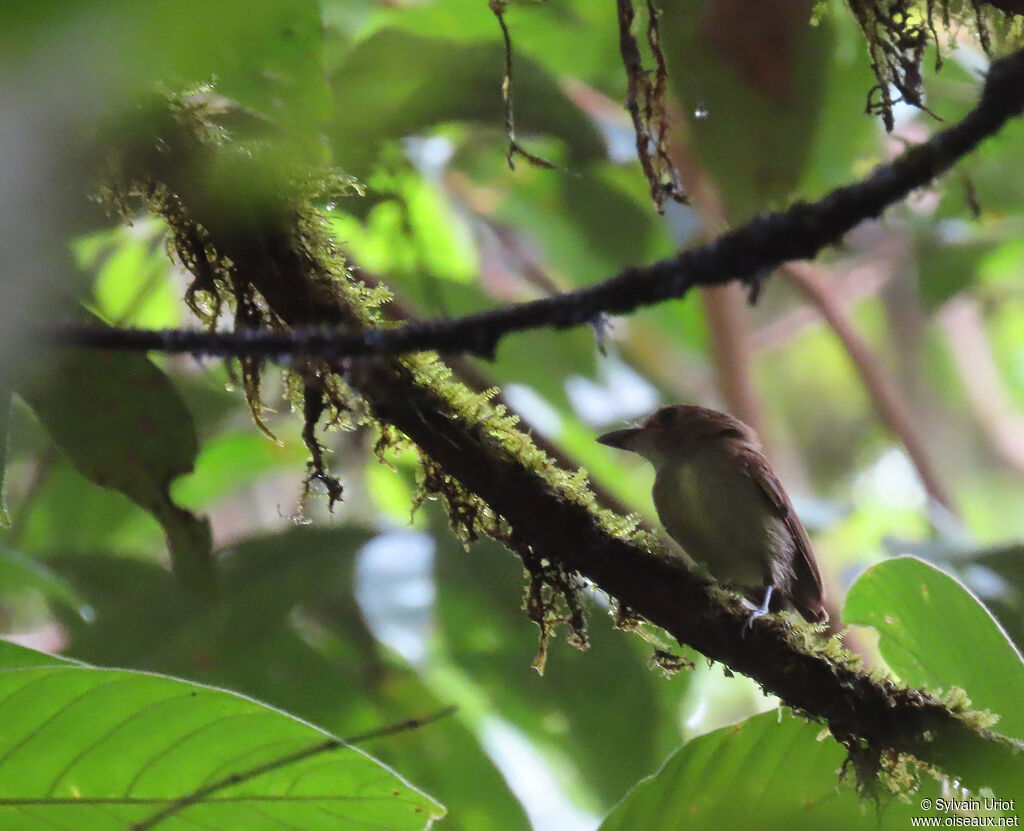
x: 885, y: 395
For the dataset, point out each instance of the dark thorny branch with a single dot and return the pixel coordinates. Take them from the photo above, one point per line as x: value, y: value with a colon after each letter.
x: 645, y: 100
x: 747, y: 253
x: 490, y: 474
x: 514, y: 147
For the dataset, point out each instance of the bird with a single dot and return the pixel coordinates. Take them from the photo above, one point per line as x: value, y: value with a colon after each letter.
x: 718, y: 497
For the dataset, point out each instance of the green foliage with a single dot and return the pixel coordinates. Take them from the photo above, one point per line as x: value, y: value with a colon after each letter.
x: 772, y: 771
x: 123, y: 426
x: 20, y: 574
x: 490, y: 641
x: 935, y: 634
x: 91, y: 747
x: 397, y: 84
x: 757, y: 159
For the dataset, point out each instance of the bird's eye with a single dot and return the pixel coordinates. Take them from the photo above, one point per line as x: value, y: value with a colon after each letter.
x: 665, y: 416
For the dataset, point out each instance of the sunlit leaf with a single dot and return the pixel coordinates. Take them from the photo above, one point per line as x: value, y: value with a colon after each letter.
x: 97, y: 748
x: 935, y: 633
x: 768, y: 772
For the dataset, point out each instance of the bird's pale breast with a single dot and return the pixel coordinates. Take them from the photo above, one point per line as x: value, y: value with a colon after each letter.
x: 719, y: 515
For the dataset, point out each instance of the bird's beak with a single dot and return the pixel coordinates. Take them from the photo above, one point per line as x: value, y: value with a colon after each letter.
x: 622, y: 439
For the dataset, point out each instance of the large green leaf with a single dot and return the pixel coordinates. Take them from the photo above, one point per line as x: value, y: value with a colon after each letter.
x: 123, y: 426
x: 935, y: 633
x: 89, y: 748
x: 769, y: 772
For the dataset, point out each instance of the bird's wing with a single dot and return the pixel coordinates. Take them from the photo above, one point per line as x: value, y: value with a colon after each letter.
x: 808, y: 594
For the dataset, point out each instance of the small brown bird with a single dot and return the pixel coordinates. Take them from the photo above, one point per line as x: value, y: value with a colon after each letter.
x: 718, y: 497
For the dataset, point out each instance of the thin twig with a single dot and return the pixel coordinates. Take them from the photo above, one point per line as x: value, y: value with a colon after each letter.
x: 514, y: 148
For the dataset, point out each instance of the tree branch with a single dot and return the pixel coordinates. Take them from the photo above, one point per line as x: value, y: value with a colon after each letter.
x: 746, y: 253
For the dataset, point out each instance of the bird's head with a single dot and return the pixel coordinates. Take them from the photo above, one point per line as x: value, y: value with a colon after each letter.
x: 675, y: 428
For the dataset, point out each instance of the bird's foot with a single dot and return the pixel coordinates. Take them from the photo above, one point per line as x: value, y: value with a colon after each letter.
x: 760, y: 611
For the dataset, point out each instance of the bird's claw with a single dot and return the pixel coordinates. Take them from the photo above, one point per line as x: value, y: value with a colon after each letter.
x: 761, y: 611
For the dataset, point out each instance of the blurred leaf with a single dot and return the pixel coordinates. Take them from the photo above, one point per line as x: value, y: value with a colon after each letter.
x: 232, y: 460
x: 68, y: 515
x: 267, y: 59
x: 617, y: 225
x: 757, y: 74
x: 565, y: 354
x: 771, y: 771
x: 397, y: 84
x: 847, y: 141
x: 1007, y: 562
x: 583, y: 225
x: 935, y: 633
x: 449, y: 760
x: 133, y: 285
x: 244, y: 639
x: 123, y: 426
x: 85, y: 746
x: 947, y: 269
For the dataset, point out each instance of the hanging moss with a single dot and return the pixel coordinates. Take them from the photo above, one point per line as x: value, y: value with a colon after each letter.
x: 898, y: 33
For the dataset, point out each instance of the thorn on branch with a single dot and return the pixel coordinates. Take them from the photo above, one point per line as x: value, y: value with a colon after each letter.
x: 755, y: 283
x: 601, y: 324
